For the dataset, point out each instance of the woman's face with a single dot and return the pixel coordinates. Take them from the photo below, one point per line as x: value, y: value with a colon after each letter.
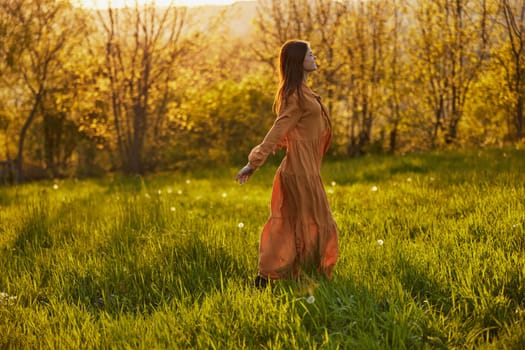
x: 309, y: 64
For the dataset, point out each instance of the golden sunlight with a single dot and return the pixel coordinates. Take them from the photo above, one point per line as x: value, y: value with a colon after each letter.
x: 122, y: 3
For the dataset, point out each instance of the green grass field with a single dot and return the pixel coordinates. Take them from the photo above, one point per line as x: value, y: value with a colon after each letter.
x: 432, y: 256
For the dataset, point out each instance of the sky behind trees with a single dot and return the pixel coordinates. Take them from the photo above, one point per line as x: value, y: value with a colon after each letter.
x: 101, y: 4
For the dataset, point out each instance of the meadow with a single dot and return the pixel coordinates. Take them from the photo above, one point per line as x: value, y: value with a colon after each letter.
x: 432, y: 256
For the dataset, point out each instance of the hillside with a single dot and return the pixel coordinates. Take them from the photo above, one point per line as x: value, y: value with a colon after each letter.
x: 237, y: 19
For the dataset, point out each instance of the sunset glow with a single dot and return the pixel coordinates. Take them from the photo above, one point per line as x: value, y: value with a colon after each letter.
x: 123, y: 3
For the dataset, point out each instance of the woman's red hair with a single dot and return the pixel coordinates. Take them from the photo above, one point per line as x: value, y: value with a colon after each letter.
x: 291, y: 71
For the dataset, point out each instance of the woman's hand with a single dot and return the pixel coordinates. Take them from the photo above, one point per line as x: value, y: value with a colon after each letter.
x: 244, y: 174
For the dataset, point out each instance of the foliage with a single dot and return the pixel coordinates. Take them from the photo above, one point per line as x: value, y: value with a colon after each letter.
x: 39, y: 41
x: 222, y: 123
x: 147, y: 88
x: 431, y: 256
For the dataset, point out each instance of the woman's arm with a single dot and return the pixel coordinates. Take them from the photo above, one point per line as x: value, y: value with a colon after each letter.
x: 288, y: 116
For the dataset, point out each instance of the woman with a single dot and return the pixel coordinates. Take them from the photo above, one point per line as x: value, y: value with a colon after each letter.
x: 301, y: 232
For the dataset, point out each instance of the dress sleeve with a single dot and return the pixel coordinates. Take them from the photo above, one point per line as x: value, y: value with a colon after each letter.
x: 287, y: 117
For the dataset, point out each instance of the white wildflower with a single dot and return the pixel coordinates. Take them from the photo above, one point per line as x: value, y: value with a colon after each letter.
x: 310, y: 299
x: 409, y: 179
x: 55, y: 187
x: 380, y: 242
x: 333, y: 183
x: 179, y: 191
x: 374, y: 188
x: 7, y: 299
x: 172, y: 208
x: 240, y: 225
x: 224, y: 194
x: 331, y: 191
x: 159, y: 192
x: 188, y: 182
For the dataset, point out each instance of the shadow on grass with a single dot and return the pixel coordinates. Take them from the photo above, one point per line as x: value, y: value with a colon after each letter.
x: 122, y: 284
x: 472, y: 310
x: 140, y: 265
x: 354, y: 316
x: 34, y: 231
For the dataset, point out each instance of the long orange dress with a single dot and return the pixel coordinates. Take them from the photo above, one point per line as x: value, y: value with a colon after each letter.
x: 301, y: 231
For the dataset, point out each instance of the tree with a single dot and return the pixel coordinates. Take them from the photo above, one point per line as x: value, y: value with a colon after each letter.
x: 396, y: 76
x: 143, y: 47
x: 449, y: 49
x: 42, y: 28
x: 364, y: 39
x: 514, y: 61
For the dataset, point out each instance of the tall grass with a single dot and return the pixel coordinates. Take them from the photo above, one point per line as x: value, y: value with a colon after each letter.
x: 432, y: 256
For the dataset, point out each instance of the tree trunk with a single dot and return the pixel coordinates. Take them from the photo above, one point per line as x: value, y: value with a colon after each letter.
x: 19, y: 174
x: 138, y: 140
x: 519, y: 117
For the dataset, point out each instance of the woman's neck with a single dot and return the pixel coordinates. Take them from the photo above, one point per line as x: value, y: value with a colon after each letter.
x: 305, y: 77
